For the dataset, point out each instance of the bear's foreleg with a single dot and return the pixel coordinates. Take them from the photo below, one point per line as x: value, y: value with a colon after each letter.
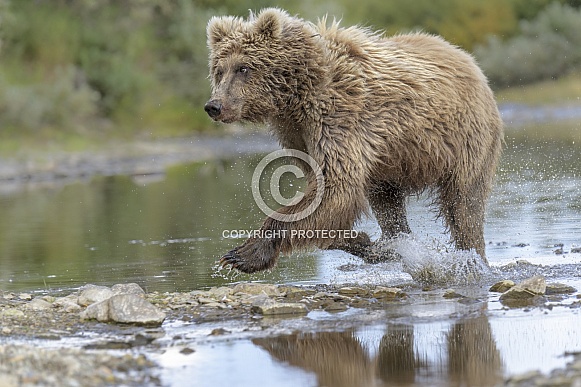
x: 342, y: 203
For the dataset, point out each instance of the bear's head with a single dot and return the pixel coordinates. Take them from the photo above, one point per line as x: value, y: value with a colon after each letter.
x: 254, y: 64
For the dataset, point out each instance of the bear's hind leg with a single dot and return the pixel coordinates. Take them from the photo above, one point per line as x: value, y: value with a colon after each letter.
x: 463, y: 212
x: 388, y: 205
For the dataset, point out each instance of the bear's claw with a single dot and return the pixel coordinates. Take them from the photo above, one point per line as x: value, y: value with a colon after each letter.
x: 252, y: 256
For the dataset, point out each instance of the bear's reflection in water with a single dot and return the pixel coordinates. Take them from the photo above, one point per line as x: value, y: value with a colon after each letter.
x: 465, y: 355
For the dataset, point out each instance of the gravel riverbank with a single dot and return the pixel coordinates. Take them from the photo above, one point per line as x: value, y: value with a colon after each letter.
x: 51, y: 340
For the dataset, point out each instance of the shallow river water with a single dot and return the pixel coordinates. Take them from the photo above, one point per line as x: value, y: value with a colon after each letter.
x: 166, y: 232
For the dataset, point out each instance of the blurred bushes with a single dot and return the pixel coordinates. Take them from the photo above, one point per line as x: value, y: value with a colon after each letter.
x: 546, y: 47
x: 65, y: 100
x: 136, y: 65
x: 140, y: 66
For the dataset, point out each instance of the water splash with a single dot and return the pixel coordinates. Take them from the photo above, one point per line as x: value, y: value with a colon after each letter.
x: 432, y: 263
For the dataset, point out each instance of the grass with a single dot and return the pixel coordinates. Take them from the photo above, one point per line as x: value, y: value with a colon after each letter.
x: 565, y: 90
x: 560, y: 132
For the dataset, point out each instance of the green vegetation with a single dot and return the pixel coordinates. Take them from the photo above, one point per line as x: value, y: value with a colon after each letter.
x: 90, y: 69
x: 546, y: 47
x: 564, y: 90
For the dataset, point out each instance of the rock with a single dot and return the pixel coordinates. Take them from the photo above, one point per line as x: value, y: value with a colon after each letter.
x: 90, y: 294
x: 187, y: 351
x: 333, y: 306
x: 98, y: 311
x: 319, y: 295
x: 125, y: 308
x: 69, y: 304
x: 525, y: 293
x: 38, y: 304
x: 296, y: 292
x: 25, y: 296
x: 219, y: 293
x: 130, y: 308
x: 576, y: 250
x: 559, y: 288
x: 130, y: 288
x: 384, y: 293
x: 451, y: 293
x: 218, y: 332
x: 502, y: 286
x: 360, y: 303
x: 256, y: 289
x: 353, y: 291
x: 536, y: 285
x: 268, y: 307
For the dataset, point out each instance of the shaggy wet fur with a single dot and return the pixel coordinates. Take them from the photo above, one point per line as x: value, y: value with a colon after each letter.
x: 384, y: 118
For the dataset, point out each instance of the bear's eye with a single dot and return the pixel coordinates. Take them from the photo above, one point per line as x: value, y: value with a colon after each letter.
x: 243, y: 70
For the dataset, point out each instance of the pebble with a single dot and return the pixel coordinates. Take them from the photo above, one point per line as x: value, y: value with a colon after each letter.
x: 220, y: 293
x: 525, y: 293
x: 451, y: 293
x: 68, y: 304
x: 353, y: 291
x: 536, y: 285
x: 269, y: 307
x: 384, y: 293
x: 502, y: 286
x: 90, y: 294
x: 296, y: 291
x: 559, y: 288
x: 25, y: 296
x: 218, y: 332
x: 256, y: 289
x: 333, y: 306
x: 125, y: 308
x: 323, y: 295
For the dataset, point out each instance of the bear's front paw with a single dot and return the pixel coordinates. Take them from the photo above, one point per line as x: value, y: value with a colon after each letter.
x: 358, y: 246
x: 254, y: 255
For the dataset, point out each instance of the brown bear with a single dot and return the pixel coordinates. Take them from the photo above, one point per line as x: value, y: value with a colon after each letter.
x: 384, y: 118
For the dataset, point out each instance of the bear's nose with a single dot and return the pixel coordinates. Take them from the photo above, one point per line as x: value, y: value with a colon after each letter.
x: 213, y: 108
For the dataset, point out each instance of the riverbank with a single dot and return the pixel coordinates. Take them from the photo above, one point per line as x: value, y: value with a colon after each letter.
x: 140, y: 157
x: 48, y: 340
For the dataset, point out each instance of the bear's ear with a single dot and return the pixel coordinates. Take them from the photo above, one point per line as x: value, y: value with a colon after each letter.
x: 269, y: 22
x: 220, y: 27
